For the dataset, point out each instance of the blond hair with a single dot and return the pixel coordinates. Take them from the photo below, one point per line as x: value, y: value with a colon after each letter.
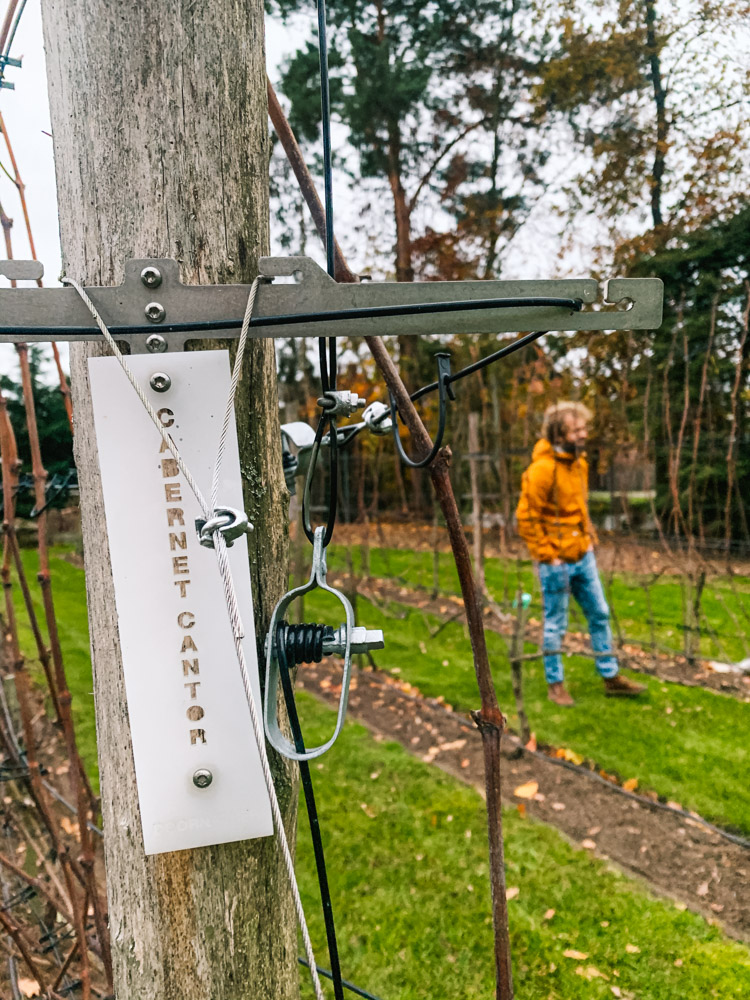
x: 555, y: 418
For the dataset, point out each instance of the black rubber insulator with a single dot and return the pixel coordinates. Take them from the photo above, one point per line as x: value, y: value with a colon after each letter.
x: 303, y: 643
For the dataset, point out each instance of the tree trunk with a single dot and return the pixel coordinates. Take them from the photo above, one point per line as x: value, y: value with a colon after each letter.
x: 161, y: 147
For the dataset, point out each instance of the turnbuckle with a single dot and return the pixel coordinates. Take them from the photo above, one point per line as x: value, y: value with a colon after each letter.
x: 343, y: 641
x: 230, y: 522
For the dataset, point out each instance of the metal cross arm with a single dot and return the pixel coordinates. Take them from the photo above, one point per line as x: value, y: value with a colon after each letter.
x: 153, y: 301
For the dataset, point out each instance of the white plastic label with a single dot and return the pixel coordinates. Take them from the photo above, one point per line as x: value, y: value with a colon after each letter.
x: 186, y: 702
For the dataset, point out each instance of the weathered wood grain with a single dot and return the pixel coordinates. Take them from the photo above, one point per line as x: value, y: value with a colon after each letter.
x: 161, y: 149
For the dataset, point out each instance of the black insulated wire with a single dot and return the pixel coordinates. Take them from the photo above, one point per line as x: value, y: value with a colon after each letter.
x: 347, y: 985
x: 325, y: 116
x: 333, y: 479
x: 517, y: 345
x: 312, y: 812
x: 324, y: 316
x: 326, y: 348
x: 444, y: 369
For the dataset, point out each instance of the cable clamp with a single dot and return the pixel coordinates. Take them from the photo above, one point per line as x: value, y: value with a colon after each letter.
x: 230, y: 522
x: 341, y: 402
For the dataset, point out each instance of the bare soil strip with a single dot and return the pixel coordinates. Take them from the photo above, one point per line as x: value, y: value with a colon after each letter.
x: 677, y: 857
x: 675, y: 669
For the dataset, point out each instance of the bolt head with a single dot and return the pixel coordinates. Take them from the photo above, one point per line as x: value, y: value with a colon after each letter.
x: 156, y: 344
x: 155, y: 312
x: 160, y: 382
x: 202, y: 778
x: 151, y: 277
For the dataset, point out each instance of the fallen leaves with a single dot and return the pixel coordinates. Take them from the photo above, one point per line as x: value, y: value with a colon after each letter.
x: 527, y: 790
x: 630, y: 785
x: 580, y: 956
x: 455, y: 745
x: 589, y: 844
x: 590, y: 972
x: 511, y: 892
x: 29, y: 987
x: 702, y: 889
x: 549, y: 914
x: 632, y: 949
x: 565, y: 753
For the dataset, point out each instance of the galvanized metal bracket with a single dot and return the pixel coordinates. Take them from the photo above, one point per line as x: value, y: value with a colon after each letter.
x: 153, y: 311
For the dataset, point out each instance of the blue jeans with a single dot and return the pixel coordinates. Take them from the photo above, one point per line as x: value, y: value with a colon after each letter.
x: 581, y: 579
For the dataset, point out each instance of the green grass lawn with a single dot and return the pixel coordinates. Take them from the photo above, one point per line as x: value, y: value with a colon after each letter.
x: 407, y: 858
x: 726, y: 607
x: 69, y: 592
x: 687, y: 744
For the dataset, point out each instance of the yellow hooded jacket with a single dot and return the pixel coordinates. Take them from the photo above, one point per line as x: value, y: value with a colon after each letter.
x: 553, y: 517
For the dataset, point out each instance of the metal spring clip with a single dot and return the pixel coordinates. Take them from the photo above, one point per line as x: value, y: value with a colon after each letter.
x: 270, y: 709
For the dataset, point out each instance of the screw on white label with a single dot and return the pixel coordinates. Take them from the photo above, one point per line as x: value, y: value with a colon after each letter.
x: 160, y: 382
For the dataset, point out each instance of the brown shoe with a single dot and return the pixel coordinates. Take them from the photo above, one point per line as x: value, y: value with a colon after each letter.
x: 620, y: 687
x: 558, y: 693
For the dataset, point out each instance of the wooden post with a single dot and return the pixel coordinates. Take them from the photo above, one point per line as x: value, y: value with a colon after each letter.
x: 161, y: 146
x: 476, y: 502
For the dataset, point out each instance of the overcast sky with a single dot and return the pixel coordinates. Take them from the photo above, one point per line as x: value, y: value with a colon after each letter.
x: 366, y: 231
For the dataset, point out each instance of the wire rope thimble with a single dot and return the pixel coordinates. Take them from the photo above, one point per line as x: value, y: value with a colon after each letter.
x: 317, y: 581
x: 444, y: 394
x: 230, y: 522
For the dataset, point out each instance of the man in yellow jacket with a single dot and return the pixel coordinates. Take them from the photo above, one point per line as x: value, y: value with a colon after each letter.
x: 554, y: 521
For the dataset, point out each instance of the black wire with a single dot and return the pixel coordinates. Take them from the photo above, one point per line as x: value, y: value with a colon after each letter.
x: 325, y: 316
x: 333, y: 478
x: 325, y: 110
x: 326, y: 348
x: 325, y: 114
x: 312, y: 814
x: 322, y: 357
x: 333, y: 481
x: 443, y: 385
x: 345, y: 982
x: 517, y: 345
x: 443, y: 360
